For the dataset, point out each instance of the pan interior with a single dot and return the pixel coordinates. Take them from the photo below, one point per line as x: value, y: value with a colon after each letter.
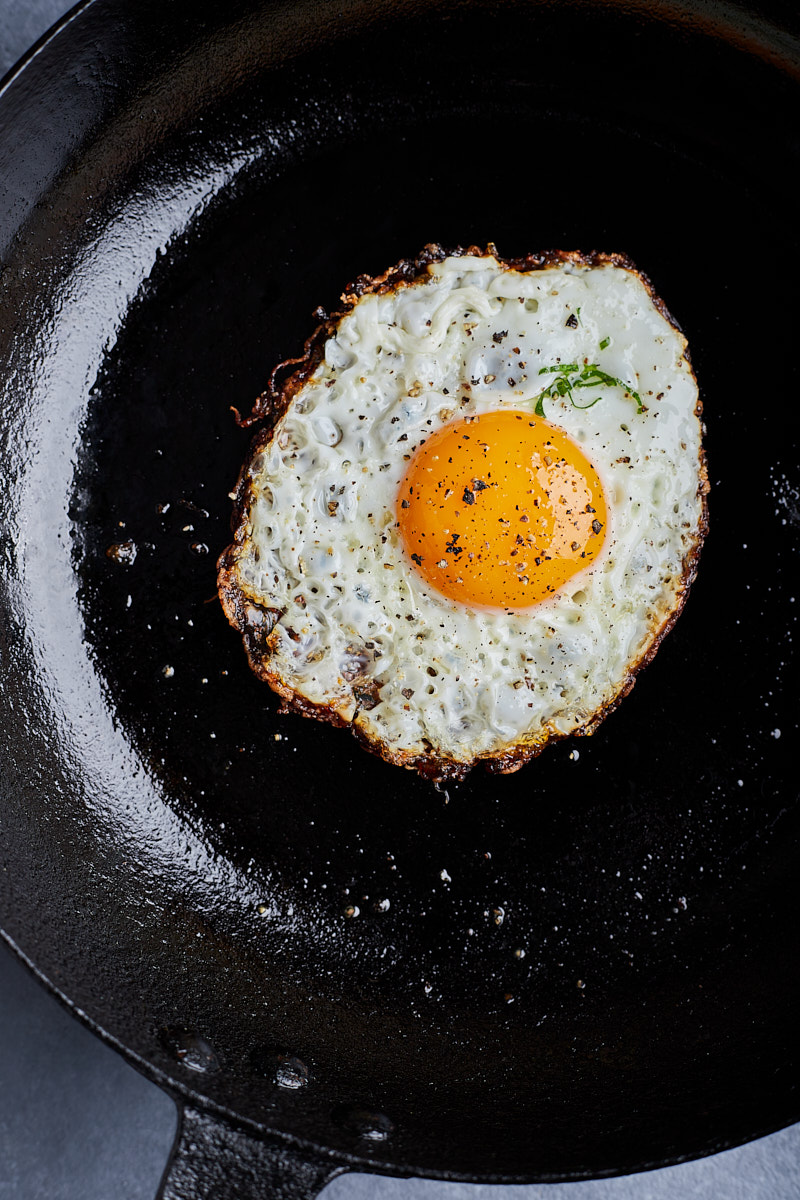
x: 578, y: 969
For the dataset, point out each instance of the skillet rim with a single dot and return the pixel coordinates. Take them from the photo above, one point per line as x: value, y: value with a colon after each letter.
x: 182, y: 1094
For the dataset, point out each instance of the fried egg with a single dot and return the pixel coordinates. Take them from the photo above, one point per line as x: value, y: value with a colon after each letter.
x: 474, y: 508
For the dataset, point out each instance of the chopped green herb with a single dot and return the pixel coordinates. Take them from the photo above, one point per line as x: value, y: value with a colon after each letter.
x: 590, y: 376
x: 605, y: 342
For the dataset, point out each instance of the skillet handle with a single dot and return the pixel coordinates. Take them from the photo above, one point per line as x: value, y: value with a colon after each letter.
x: 212, y: 1160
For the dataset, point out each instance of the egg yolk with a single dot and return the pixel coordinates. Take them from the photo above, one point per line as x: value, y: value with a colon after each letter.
x: 501, y: 510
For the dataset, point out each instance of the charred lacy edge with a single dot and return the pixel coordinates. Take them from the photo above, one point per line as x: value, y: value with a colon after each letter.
x: 256, y: 622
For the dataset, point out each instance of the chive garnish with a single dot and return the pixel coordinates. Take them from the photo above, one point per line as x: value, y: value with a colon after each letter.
x: 605, y: 342
x: 590, y: 376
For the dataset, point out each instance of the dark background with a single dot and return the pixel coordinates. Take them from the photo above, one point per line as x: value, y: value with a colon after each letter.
x: 77, y: 1123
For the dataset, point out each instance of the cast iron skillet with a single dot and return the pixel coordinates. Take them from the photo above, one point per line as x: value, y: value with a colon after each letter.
x: 584, y: 969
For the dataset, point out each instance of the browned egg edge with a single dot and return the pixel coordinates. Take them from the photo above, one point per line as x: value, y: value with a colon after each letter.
x: 256, y: 622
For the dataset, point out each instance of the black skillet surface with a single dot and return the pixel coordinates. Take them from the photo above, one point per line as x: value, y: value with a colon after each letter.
x: 584, y: 969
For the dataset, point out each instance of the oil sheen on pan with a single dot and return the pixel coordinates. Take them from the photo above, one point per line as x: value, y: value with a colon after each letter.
x: 473, y: 508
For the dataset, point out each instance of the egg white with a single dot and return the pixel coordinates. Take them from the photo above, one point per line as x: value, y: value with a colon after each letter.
x: 358, y: 635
